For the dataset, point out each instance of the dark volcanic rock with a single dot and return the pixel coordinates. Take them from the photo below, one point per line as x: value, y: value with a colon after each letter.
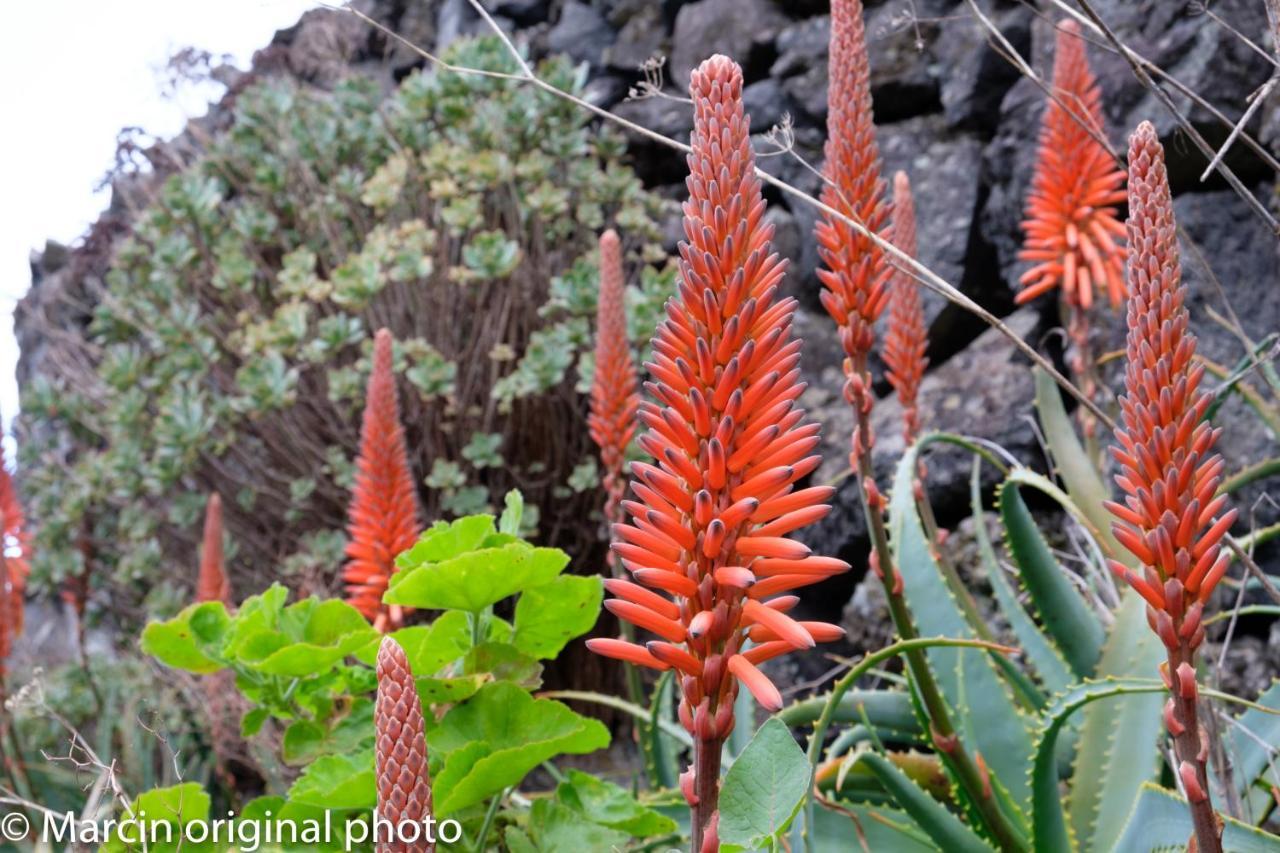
x: 743, y: 30
x: 581, y: 33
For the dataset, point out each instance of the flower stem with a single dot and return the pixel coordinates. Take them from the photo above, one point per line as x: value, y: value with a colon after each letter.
x: 706, y: 786
x: 1191, y: 748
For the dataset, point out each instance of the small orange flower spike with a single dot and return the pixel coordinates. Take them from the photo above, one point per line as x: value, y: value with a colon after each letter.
x: 1071, y: 223
x: 729, y: 445
x: 400, y: 758
x: 1172, y: 518
x: 856, y: 278
x: 212, y: 583
x: 907, y: 339
x: 384, y: 505
x: 614, y: 400
x: 16, y: 561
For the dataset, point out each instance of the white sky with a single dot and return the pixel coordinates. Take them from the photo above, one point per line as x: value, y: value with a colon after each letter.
x: 72, y: 74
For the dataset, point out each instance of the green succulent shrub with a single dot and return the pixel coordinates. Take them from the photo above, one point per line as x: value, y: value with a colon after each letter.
x: 228, y: 348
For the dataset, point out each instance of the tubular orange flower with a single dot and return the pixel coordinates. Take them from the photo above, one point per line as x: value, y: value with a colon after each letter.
x: 856, y: 277
x: 14, y: 561
x: 1172, y: 518
x: 1071, y: 223
x: 384, y: 506
x: 212, y: 583
x: 907, y: 339
x: 400, y: 759
x: 729, y: 445
x: 613, y: 392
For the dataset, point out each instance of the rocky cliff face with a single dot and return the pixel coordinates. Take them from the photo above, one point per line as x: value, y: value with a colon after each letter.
x: 951, y: 111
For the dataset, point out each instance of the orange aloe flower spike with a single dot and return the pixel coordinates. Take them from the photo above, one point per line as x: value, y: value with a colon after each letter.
x: 856, y: 276
x: 1172, y: 519
x: 384, y: 504
x: 907, y: 339
x: 16, y: 558
x: 400, y: 758
x: 614, y: 399
x: 1071, y: 220
x: 729, y: 445
x: 212, y: 584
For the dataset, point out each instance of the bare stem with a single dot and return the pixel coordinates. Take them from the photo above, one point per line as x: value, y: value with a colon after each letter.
x: 706, y: 787
x: 1192, y: 749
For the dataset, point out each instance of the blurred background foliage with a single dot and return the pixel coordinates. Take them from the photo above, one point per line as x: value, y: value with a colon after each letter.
x: 229, y: 347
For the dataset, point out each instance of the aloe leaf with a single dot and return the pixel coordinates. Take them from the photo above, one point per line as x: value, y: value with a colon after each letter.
x: 1249, y: 755
x: 890, y: 709
x: 1066, y: 616
x: 1116, y: 752
x: 946, y: 830
x: 1071, y: 463
x: 1043, y: 655
x: 987, y: 716
x: 662, y: 751
x: 1049, y: 824
x: 1160, y: 820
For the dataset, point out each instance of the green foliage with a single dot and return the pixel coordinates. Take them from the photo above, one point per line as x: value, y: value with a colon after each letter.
x: 229, y: 350
x: 763, y: 789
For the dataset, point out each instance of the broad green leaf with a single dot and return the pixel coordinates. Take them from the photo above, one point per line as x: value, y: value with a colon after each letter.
x: 298, y: 660
x: 178, y: 805
x: 337, y: 782
x: 1048, y: 823
x: 556, y: 828
x: 609, y: 805
x: 764, y: 788
x: 1042, y: 654
x: 946, y: 830
x: 1116, y: 751
x: 477, y: 579
x: 1249, y: 757
x: 306, y: 740
x: 251, y: 723
x: 1066, y: 616
x: 428, y: 648
x: 177, y: 643
x: 549, y: 616
x: 504, y: 662
x: 497, y: 736
x: 1160, y: 821
x: 446, y: 540
x: 446, y: 691
x: 984, y: 711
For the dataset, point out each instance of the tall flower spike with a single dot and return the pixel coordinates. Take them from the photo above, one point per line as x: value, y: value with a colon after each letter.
x: 212, y: 583
x: 1172, y: 519
x: 1071, y: 226
x: 907, y: 339
x: 400, y: 759
x: 729, y: 445
x: 384, y: 506
x: 614, y: 400
x: 856, y: 277
x: 16, y: 556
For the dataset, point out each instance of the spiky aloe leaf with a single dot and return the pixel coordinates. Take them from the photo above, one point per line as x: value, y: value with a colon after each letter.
x: 1249, y: 755
x: 946, y: 830
x: 1116, y: 751
x: 1048, y: 822
x: 1161, y: 821
x: 1071, y: 463
x: 1066, y: 616
x: 987, y: 716
x: 890, y: 709
x: 1040, y: 650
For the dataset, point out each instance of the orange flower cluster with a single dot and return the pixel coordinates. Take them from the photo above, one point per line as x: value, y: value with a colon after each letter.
x: 15, y: 563
x: 709, y: 528
x: 907, y: 339
x: 1071, y: 223
x: 1172, y: 518
x: 614, y: 400
x: 212, y: 583
x: 856, y: 278
x: 384, y: 505
x: 400, y: 758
